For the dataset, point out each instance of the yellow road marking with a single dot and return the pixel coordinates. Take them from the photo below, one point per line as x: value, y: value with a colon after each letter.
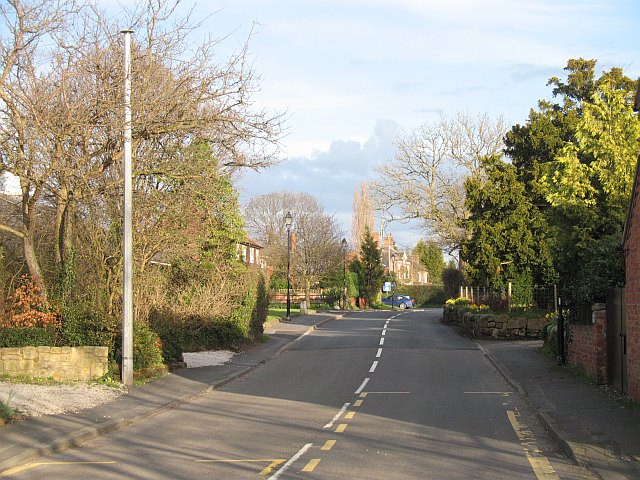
x: 364, y: 394
x: 357, y: 403
x: 328, y: 445
x: 539, y: 463
x: 271, y: 466
x: 349, y: 415
x: 341, y: 428
x: 273, y: 463
x: 29, y: 466
x: 259, y: 460
x: 313, y: 463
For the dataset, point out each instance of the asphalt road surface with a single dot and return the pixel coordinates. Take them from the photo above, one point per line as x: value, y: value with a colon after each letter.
x: 374, y: 395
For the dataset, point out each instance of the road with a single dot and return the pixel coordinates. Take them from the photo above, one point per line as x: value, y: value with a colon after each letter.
x: 384, y: 394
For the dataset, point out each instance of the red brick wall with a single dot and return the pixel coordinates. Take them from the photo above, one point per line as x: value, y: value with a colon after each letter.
x: 588, y: 346
x: 632, y: 293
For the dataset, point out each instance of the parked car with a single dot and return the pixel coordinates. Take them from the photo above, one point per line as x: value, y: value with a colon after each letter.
x: 400, y: 301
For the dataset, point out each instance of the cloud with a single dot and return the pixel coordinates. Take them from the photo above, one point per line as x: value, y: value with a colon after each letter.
x: 331, y: 176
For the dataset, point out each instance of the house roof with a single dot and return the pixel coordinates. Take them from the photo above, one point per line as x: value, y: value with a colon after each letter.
x: 251, y: 243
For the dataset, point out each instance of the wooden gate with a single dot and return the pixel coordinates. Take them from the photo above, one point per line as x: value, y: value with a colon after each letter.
x: 617, y: 339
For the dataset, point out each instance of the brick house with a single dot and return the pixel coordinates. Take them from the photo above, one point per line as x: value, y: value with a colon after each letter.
x: 407, y: 268
x: 251, y: 252
x: 632, y: 287
x: 632, y: 290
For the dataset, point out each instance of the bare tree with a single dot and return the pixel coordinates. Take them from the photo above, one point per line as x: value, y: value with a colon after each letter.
x: 426, y: 179
x: 363, y: 217
x: 60, y: 124
x: 317, y: 246
x: 26, y: 23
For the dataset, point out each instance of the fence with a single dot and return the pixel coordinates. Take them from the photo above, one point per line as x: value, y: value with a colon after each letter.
x: 514, y: 297
x: 329, y: 297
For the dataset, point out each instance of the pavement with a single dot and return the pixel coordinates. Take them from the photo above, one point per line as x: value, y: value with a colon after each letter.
x: 593, y: 425
x: 590, y: 423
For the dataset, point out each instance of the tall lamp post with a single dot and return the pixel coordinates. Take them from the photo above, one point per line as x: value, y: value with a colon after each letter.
x: 288, y: 220
x: 126, y: 373
x: 393, y: 278
x: 344, y: 273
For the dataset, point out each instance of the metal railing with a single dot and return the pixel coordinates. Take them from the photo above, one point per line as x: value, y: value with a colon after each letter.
x: 514, y: 297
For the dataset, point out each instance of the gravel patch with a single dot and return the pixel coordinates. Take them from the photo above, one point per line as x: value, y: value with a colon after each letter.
x: 207, y: 359
x: 35, y: 400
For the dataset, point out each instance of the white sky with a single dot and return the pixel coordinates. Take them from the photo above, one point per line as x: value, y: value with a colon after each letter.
x: 351, y: 73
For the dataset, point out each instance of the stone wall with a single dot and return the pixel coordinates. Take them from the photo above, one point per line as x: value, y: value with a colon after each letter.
x: 59, y: 363
x: 587, y: 345
x: 491, y: 325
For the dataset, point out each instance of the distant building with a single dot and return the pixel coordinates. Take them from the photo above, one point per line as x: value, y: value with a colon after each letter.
x: 406, y: 267
x: 251, y: 253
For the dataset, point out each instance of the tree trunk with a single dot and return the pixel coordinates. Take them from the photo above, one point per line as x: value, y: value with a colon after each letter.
x: 307, y: 292
x: 33, y: 264
x: 61, y: 219
x: 29, y: 199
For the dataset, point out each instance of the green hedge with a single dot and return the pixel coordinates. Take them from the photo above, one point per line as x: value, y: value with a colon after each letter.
x: 195, y: 333
x: 424, y: 294
x: 163, y: 338
x: 17, y: 337
x: 81, y: 327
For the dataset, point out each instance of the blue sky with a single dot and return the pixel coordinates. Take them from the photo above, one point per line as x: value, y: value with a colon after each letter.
x: 352, y: 73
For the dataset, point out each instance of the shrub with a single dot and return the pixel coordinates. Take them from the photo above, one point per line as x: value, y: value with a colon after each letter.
x: 6, y: 410
x: 147, y: 347
x: 424, y: 294
x: 81, y: 327
x: 453, y: 279
x: 192, y: 334
x: 29, y: 308
x: 196, y: 332
x: 17, y: 337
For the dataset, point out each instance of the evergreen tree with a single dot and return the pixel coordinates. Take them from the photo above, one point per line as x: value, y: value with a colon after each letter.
x: 431, y: 258
x: 507, y: 233
x: 576, y: 158
x: 372, y: 269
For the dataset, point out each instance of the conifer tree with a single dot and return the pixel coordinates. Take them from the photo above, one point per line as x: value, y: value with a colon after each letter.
x: 373, y: 271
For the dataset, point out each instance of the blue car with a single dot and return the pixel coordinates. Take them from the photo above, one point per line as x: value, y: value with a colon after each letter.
x: 399, y: 301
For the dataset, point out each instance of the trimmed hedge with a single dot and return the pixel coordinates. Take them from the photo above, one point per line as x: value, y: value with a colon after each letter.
x: 17, y: 337
x: 194, y: 333
x: 424, y: 294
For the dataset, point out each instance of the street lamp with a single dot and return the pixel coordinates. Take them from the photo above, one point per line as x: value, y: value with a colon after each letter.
x: 393, y: 277
x: 288, y: 219
x: 344, y: 274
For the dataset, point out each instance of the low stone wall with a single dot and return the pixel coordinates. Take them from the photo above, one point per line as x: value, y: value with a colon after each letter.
x: 59, y: 363
x: 491, y: 325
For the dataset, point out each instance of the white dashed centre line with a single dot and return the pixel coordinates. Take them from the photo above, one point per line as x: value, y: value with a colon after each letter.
x: 373, y: 367
x: 361, y: 387
x: 338, y: 415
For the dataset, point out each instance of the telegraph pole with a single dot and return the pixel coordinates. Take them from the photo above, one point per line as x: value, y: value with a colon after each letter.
x: 126, y: 374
